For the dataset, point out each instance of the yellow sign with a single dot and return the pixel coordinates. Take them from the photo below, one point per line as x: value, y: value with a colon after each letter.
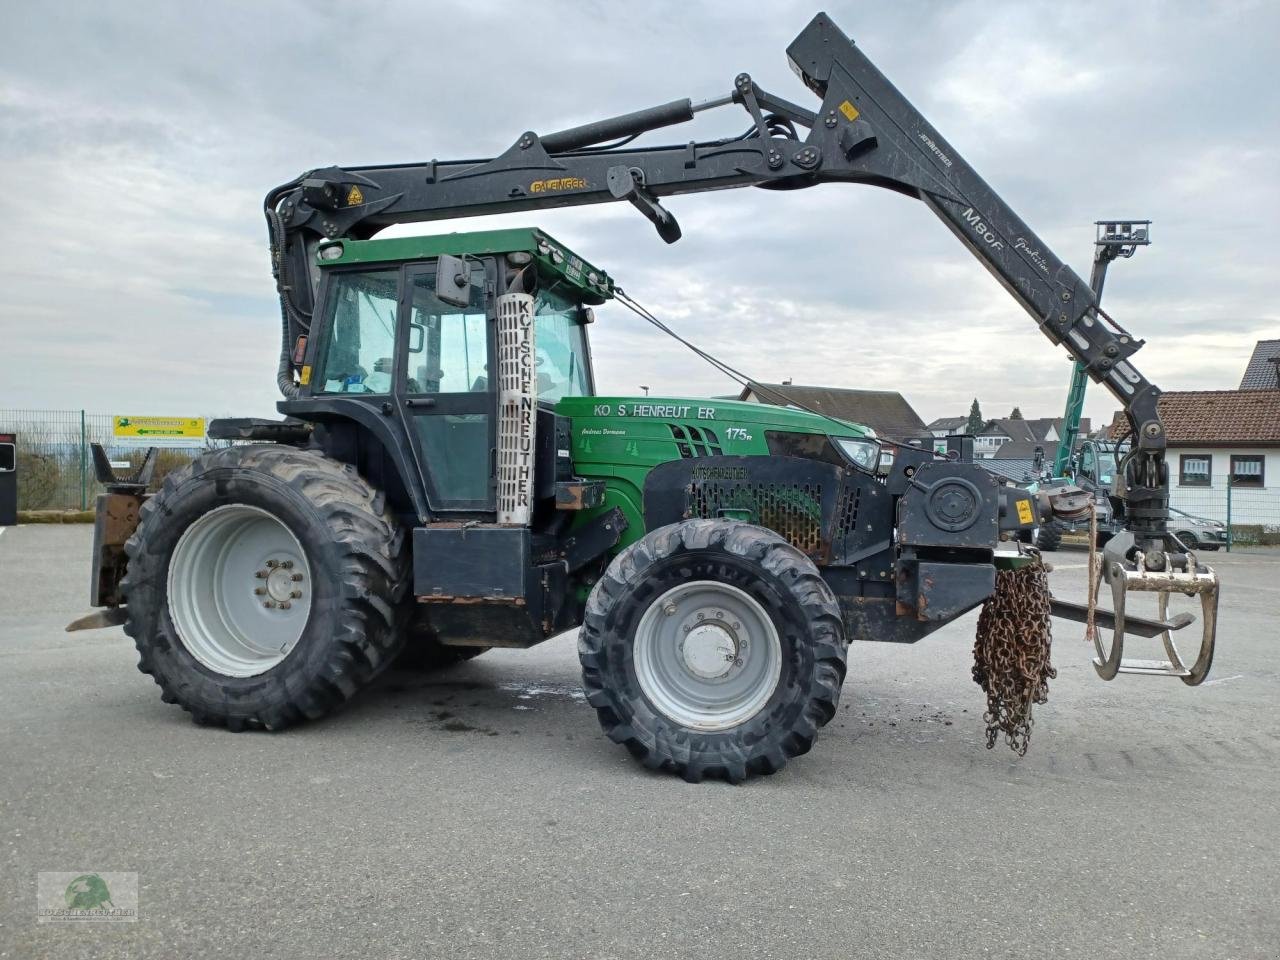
x: 158, y: 428
x: 354, y: 196
x: 849, y: 110
x: 305, y: 377
x: 1024, y: 512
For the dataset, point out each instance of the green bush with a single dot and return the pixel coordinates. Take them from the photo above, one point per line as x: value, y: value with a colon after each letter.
x: 1255, y: 535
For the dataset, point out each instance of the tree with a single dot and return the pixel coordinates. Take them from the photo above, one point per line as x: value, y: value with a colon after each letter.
x: 1016, y: 414
x: 976, y: 421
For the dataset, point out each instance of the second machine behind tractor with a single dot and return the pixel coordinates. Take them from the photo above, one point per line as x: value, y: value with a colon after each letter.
x: 446, y: 479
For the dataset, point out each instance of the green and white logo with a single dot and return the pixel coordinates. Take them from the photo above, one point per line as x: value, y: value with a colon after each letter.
x: 77, y: 896
x: 88, y: 892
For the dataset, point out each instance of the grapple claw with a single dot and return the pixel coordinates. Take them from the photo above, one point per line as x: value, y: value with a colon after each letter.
x: 1195, y: 580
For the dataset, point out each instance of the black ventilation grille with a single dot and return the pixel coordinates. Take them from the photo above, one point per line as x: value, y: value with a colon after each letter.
x: 793, y: 511
x: 693, y: 441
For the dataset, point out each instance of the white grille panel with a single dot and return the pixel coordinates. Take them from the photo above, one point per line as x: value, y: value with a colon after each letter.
x: 517, y: 407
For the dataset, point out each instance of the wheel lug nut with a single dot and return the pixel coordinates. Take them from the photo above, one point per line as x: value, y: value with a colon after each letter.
x: 272, y: 564
x: 296, y: 578
x: 261, y: 574
x: 296, y: 594
x: 286, y: 564
x: 260, y: 590
x: 284, y: 604
x: 268, y: 604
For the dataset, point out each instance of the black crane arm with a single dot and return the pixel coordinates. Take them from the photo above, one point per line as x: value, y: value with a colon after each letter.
x: 865, y: 131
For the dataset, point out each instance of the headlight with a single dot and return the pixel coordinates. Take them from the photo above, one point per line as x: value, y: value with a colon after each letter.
x: 865, y: 453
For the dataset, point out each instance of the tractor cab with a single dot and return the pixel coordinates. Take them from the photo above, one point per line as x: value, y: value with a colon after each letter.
x: 407, y: 343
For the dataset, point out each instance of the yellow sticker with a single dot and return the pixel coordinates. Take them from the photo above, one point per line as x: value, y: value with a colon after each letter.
x: 305, y: 376
x: 354, y: 196
x: 849, y: 110
x: 558, y: 183
x: 159, y: 428
x: 1024, y: 512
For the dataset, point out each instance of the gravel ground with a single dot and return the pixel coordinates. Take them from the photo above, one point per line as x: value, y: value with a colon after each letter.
x: 480, y: 812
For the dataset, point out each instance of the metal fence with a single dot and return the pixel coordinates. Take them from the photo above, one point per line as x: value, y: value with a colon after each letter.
x: 55, y: 467
x: 1250, y: 514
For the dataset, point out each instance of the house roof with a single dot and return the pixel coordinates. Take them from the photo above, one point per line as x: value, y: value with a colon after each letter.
x: 947, y: 423
x: 1216, y: 418
x: 1037, y: 429
x: 884, y: 411
x: 1019, y: 471
x: 1021, y: 450
x: 1015, y: 428
x: 1263, y: 371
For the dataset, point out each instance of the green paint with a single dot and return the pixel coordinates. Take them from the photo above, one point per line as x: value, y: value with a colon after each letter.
x: 620, y: 439
x: 554, y: 261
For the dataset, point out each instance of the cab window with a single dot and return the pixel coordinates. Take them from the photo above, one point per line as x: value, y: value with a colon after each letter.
x: 561, y: 341
x: 361, y: 320
x: 448, y: 345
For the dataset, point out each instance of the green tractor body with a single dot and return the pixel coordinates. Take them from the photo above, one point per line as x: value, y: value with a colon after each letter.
x: 621, y: 439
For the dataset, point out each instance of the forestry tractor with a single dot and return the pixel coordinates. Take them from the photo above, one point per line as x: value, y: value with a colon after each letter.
x: 445, y: 479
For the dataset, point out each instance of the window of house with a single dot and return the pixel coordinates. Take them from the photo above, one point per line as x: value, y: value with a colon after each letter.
x: 1246, y: 471
x: 1195, y: 470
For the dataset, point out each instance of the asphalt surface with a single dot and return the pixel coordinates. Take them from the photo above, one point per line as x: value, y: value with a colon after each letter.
x: 480, y: 812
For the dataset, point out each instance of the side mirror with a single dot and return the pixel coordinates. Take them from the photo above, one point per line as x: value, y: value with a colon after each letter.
x: 453, y: 281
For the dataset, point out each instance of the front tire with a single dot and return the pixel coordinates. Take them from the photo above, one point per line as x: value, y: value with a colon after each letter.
x: 712, y: 648
x: 264, y: 586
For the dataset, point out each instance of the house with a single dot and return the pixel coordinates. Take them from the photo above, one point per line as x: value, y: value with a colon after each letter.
x: 1223, y: 447
x: 947, y: 426
x: 1011, y: 438
x: 1263, y: 369
x: 884, y: 411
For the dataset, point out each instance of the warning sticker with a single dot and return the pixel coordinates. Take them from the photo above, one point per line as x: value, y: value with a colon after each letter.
x: 1024, y: 512
x: 354, y: 196
x: 849, y: 110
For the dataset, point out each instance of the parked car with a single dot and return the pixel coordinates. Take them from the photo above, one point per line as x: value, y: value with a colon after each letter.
x: 1197, y: 533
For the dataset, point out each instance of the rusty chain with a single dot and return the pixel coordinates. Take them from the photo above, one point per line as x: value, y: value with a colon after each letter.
x: 1011, y: 653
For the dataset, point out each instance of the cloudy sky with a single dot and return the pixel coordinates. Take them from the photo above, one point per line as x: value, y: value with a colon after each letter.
x: 137, y: 141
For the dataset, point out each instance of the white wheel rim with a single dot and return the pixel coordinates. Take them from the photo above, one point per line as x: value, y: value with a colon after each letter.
x: 707, y: 655
x: 240, y: 590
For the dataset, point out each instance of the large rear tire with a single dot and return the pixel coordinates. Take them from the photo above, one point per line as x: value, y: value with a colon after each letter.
x: 265, y: 586
x: 712, y: 648
x: 1049, y: 536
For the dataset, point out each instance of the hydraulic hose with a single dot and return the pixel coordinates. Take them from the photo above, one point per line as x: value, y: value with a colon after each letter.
x: 280, y: 270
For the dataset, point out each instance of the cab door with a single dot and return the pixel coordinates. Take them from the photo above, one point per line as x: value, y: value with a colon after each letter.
x: 447, y: 396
